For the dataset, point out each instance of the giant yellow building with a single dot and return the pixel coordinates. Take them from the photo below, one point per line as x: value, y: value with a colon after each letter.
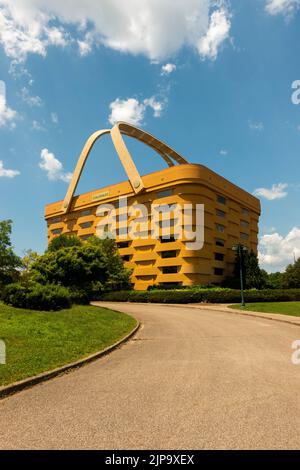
x: 231, y: 215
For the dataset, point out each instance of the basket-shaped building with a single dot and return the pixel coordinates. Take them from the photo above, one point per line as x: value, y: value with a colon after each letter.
x: 161, y: 251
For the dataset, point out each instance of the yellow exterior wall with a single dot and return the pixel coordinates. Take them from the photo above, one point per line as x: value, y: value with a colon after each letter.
x: 190, y: 184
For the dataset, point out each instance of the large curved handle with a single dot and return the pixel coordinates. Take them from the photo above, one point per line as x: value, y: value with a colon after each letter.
x: 168, y: 154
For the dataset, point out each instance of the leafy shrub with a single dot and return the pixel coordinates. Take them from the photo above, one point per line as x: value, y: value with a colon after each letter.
x: 35, y: 296
x: 79, y: 296
x: 92, y: 267
x: 211, y: 295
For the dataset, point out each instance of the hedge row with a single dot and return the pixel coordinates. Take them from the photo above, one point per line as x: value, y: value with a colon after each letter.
x: 204, y: 295
x: 37, y: 297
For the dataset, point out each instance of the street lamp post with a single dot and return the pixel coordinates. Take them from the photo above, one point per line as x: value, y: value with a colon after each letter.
x: 240, y: 249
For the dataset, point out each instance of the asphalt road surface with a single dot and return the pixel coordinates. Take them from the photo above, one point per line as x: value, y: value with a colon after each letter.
x: 189, y: 379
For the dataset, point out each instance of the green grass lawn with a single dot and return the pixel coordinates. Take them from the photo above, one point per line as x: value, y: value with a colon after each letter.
x: 41, y: 341
x: 285, y: 308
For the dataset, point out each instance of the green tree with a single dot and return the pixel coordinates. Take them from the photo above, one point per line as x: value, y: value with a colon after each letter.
x: 118, y: 275
x: 9, y: 261
x: 63, y: 241
x: 275, y: 280
x: 292, y: 275
x: 90, y: 268
x: 253, y: 276
x: 29, y: 258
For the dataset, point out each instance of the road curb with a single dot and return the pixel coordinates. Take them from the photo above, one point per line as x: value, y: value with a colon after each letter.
x: 266, y: 316
x: 223, y: 308
x: 11, y: 389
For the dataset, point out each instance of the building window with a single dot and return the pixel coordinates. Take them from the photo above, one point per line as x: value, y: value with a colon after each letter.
x: 57, y: 231
x: 123, y: 244
x: 219, y: 257
x: 220, y: 228
x: 86, y: 225
x: 165, y: 193
x: 170, y: 269
x: 169, y: 254
x: 126, y: 258
x: 244, y: 236
x: 220, y: 242
x: 220, y: 213
x: 85, y: 237
x: 85, y: 212
x: 56, y: 220
x: 167, y: 240
x: 170, y: 285
x: 244, y: 223
x: 245, y: 211
x: 219, y: 271
x: 221, y: 199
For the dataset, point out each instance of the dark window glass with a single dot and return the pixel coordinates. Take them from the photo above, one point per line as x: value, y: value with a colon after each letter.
x: 123, y: 244
x: 244, y: 223
x: 57, y: 231
x: 85, y: 237
x: 170, y: 269
x: 221, y: 199
x: 220, y: 213
x: 244, y: 236
x: 220, y: 242
x: 167, y: 240
x: 218, y: 272
x: 126, y: 258
x: 85, y: 212
x: 86, y: 225
x: 165, y: 193
x: 219, y: 257
x: 56, y: 220
x: 169, y: 254
x: 220, y: 228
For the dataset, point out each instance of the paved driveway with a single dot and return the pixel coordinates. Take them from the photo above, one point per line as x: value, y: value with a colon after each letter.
x: 189, y: 379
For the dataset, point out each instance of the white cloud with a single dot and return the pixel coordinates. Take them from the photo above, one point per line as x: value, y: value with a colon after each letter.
x: 133, y: 111
x: 168, y: 68
x: 86, y: 44
x: 155, y: 28
x: 53, y: 167
x: 286, y: 7
x: 130, y: 110
x: 7, y: 173
x: 256, y: 125
x: 217, y: 33
x: 276, y: 251
x: 36, y: 126
x: 276, y: 192
x: 156, y: 105
x: 7, y: 115
x: 223, y: 152
x: 29, y: 99
x: 56, y: 37
x: 54, y: 118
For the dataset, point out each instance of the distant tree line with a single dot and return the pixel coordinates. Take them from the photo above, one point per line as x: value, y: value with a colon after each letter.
x: 256, y: 278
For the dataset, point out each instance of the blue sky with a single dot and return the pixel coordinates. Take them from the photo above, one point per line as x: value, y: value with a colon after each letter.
x: 211, y: 78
